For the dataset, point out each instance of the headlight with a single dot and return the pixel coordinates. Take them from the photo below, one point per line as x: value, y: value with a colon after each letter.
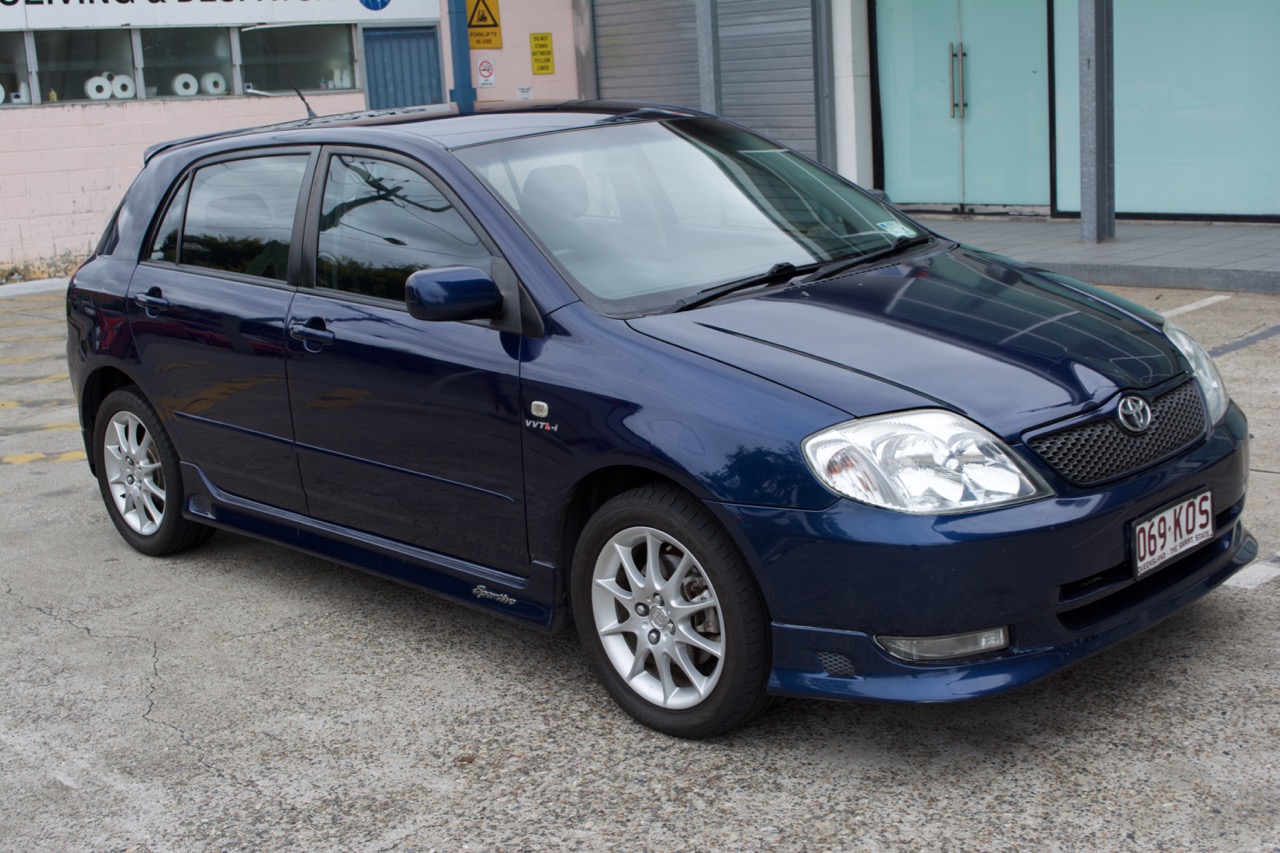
x: 924, y: 461
x: 1211, y: 384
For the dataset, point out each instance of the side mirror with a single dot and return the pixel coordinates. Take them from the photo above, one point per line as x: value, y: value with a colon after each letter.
x: 452, y: 293
x: 880, y: 194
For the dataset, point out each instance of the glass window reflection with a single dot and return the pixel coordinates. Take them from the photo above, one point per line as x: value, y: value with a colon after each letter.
x: 380, y: 222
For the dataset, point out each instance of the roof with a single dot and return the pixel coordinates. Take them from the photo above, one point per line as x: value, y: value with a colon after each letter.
x: 442, y: 124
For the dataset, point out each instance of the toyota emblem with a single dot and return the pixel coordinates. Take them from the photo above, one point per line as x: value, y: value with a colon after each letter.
x: 1134, y: 414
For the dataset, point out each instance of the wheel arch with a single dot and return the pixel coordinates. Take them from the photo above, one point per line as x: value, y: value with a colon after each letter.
x: 598, y: 487
x: 99, y: 384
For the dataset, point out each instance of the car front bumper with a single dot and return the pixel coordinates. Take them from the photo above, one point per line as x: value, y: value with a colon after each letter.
x: 1056, y: 573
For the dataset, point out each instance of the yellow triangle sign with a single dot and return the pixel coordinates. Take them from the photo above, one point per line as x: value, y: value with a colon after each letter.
x: 482, y: 17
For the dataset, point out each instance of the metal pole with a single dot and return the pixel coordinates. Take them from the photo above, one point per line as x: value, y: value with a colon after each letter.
x: 463, y: 93
x: 1097, y: 124
x: 708, y: 27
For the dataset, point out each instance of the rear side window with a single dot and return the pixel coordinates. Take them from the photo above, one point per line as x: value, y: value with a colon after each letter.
x: 382, y: 221
x: 239, y: 217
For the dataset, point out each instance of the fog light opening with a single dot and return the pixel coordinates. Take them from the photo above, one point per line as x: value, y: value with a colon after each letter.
x: 949, y: 647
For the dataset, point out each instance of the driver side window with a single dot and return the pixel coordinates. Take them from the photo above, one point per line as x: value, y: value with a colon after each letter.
x: 381, y: 221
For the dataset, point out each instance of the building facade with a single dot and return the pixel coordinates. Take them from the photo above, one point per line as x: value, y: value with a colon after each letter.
x: 973, y: 105
x: 948, y: 105
x: 87, y: 85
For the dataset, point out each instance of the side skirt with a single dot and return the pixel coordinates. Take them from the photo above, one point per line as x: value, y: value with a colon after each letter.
x: 529, y: 601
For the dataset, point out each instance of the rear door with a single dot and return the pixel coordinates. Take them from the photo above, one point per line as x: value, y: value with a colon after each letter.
x: 405, y: 429
x: 207, y: 310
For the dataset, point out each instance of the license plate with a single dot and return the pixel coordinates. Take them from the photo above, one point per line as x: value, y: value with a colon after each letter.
x: 1160, y: 537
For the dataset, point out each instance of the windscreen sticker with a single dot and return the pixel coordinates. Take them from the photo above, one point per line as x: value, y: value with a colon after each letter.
x: 895, y: 228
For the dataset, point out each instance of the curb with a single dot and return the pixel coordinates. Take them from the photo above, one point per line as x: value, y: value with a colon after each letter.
x: 26, y: 288
x: 1180, y: 278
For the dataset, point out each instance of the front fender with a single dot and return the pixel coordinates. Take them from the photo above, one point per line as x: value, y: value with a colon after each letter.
x: 613, y: 397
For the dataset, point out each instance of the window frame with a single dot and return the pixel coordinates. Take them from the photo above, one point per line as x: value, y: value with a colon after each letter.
x: 294, y: 274
x: 503, y: 275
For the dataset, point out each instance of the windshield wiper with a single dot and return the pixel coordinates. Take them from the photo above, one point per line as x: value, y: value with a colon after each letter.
x: 898, y: 246
x: 777, y: 274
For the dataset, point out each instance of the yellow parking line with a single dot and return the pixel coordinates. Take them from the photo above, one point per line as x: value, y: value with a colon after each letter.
x: 5, y: 324
x: 33, y: 380
x: 30, y: 339
x: 64, y: 426
x: 18, y: 359
x: 27, y: 458
x: 51, y: 297
x: 35, y: 404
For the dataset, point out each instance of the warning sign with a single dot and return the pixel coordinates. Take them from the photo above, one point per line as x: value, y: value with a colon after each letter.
x: 483, y: 25
x: 484, y: 71
x: 544, y: 57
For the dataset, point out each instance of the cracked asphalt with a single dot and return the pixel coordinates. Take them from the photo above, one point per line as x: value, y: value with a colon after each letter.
x: 243, y: 697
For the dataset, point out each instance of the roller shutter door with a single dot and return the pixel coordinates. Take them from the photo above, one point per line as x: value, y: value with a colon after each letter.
x: 767, y: 68
x: 649, y: 51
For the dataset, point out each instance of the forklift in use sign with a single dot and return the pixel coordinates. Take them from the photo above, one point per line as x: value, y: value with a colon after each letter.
x: 483, y: 27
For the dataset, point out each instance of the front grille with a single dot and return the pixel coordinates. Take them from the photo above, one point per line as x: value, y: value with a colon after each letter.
x: 1102, y: 449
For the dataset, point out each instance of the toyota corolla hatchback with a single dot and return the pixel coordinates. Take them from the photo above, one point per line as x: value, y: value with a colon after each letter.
x: 636, y: 368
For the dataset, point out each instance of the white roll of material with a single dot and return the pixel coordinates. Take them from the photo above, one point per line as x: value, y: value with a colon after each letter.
x: 97, y: 88
x: 24, y: 94
x: 213, y: 83
x: 2, y: 94
x: 185, y: 85
x: 123, y: 87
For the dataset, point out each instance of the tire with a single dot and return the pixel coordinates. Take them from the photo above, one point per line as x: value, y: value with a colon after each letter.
x: 669, y: 615
x: 139, y: 477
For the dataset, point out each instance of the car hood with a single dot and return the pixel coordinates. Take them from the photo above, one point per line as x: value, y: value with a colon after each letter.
x: 961, y: 329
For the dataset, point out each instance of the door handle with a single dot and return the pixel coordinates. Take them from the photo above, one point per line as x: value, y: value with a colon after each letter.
x: 311, y: 337
x: 151, y: 302
x: 951, y: 75
x: 955, y: 76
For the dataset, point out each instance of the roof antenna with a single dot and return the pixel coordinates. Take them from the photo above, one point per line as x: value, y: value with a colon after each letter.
x: 310, y: 112
x: 294, y: 86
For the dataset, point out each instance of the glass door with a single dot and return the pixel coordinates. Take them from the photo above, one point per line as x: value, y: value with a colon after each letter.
x: 964, y: 101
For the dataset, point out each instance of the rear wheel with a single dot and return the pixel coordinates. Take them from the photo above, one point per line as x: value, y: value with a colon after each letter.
x: 139, y: 477
x: 669, y: 615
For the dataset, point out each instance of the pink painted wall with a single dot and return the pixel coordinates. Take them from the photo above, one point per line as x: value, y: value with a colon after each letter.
x: 64, y: 168
x: 513, y: 64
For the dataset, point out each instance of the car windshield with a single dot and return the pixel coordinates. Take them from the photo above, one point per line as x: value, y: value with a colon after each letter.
x: 643, y: 214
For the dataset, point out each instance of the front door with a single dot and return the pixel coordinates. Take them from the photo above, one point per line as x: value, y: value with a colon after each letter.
x: 964, y: 101
x: 405, y: 429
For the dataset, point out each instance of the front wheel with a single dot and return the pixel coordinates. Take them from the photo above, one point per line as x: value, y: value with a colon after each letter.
x: 669, y: 615
x: 139, y: 478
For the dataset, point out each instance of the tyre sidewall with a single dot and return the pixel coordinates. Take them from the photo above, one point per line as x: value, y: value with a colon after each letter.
x: 174, y: 532
x: 740, y: 692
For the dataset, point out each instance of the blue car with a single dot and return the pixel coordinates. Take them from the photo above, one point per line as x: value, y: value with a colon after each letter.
x: 748, y: 427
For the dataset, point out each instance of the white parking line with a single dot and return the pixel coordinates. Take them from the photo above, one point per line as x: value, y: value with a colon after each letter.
x: 1202, y: 303
x: 1256, y: 575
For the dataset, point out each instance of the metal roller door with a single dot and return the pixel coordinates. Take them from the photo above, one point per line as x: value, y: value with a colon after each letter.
x: 758, y: 62
x: 767, y: 68
x: 647, y: 51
